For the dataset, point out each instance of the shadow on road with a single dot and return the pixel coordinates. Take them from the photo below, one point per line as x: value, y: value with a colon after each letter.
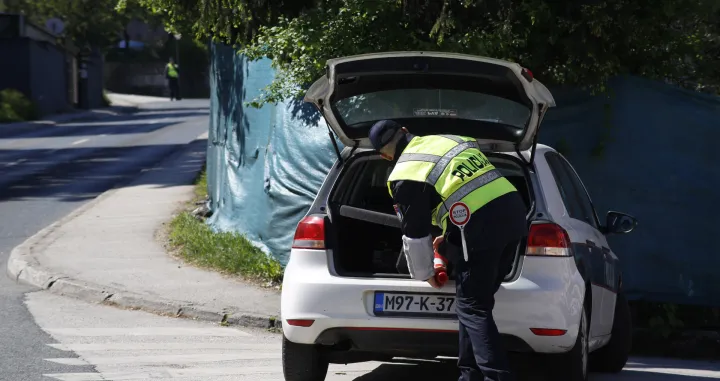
x: 204, y: 109
x: 54, y: 167
x: 146, y: 121
x: 531, y: 370
x: 412, y: 370
x: 83, y: 173
x: 153, y: 114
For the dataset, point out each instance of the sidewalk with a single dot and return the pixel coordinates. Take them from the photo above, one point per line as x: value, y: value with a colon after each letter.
x: 107, y: 252
x: 130, y: 100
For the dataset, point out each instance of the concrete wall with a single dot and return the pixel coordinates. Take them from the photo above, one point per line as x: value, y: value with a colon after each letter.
x: 149, y: 79
x: 48, y: 78
x: 96, y: 80
x: 15, y: 64
x: 39, y: 70
x: 136, y: 78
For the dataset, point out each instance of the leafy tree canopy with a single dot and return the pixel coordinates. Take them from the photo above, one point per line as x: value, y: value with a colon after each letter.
x: 573, y: 42
x: 88, y: 23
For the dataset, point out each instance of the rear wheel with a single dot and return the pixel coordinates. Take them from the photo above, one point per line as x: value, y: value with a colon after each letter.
x: 302, y: 362
x: 612, y: 357
x: 573, y: 365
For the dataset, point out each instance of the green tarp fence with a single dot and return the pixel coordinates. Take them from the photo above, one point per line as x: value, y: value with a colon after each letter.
x: 648, y: 151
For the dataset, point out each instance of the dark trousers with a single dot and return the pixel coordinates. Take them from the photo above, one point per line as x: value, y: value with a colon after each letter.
x: 482, y: 355
x: 174, y: 88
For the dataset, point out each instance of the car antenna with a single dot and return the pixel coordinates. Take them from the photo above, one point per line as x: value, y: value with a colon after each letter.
x: 335, y: 145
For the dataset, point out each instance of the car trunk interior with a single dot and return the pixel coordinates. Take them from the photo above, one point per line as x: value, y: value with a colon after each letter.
x: 365, y: 233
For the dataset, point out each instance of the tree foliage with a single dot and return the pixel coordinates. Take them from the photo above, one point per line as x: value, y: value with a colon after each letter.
x: 88, y: 23
x: 580, y: 42
x: 228, y: 21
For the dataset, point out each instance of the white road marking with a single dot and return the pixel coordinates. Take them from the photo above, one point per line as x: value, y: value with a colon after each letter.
x: 101, y: 347
x: 693, y: 373
x: 81, y: 141
x: 170, y: 373
x: 148, y: 331
x: 166, y: 359
x: 16, y: 162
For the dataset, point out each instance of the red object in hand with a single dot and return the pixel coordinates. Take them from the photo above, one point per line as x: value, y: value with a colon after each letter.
x: 441, y: 277
x: 440, y: 264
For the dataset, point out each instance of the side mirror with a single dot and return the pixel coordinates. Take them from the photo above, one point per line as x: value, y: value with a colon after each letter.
x: 619, y: 223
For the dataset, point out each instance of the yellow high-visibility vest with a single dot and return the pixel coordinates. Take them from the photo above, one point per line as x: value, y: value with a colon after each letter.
x: 456, y: 168
x: 172, y: 70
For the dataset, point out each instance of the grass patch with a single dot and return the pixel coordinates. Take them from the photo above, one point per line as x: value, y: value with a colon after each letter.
x: 201, y: 185
x: 227, y: 252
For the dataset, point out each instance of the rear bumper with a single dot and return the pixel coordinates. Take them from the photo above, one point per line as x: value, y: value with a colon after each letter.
x: 547, y: 294
x: 404, y: 342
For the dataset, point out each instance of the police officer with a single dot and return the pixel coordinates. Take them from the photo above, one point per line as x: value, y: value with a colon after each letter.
x: 430, y: 174
x: 172, y: 74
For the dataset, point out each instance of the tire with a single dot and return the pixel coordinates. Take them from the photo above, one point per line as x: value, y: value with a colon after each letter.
x: 614, y: 355
x: 302, y: 362
x: 573, y: 365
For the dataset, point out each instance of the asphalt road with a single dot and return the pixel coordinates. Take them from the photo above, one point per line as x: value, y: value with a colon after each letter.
x: 134, y: 345
x: 48, y: 171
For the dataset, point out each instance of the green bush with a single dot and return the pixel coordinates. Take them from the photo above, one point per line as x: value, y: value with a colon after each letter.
x: 15, y: 107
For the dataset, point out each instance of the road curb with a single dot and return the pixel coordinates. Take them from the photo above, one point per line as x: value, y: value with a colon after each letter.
x: 23, y: 267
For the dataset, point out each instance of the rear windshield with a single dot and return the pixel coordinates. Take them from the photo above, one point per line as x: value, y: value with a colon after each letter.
x: 430, y: 103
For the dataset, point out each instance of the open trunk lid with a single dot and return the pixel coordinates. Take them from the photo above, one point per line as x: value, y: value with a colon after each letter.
x: 495, y: 101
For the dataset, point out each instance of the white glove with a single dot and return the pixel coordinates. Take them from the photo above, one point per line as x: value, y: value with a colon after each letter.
x: 419, y: 255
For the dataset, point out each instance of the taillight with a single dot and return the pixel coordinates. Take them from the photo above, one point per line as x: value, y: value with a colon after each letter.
x: 310, y: 233
x: 548, y: 331
x: 548, y: 239
x: 300, y: 322
x: 527, y: 74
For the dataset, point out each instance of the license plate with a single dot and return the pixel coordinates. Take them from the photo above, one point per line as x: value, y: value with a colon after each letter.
x: 389, y: 303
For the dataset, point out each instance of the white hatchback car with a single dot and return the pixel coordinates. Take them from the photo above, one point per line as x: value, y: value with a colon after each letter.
x: 347, y: 296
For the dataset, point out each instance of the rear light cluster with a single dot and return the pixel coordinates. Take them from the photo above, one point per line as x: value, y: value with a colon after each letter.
x: 548, y: 239
x: 300, y: 322
x: 310, y: 233
x: 544, y: 239
x: 548, y: 331
x: 527, y: 74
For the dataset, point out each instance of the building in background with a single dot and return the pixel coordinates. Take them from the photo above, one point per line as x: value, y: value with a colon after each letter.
x: 136, y: 65
x: 45, y: 72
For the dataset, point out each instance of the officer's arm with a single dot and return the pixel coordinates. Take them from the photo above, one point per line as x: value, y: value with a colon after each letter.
x: 412, y: 202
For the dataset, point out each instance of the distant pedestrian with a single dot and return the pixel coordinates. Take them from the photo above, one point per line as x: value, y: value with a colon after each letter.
x: 172, y: 73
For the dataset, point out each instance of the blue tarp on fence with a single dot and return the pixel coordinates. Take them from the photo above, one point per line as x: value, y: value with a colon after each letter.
x: 647, y: 151
x: 264, y: 165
